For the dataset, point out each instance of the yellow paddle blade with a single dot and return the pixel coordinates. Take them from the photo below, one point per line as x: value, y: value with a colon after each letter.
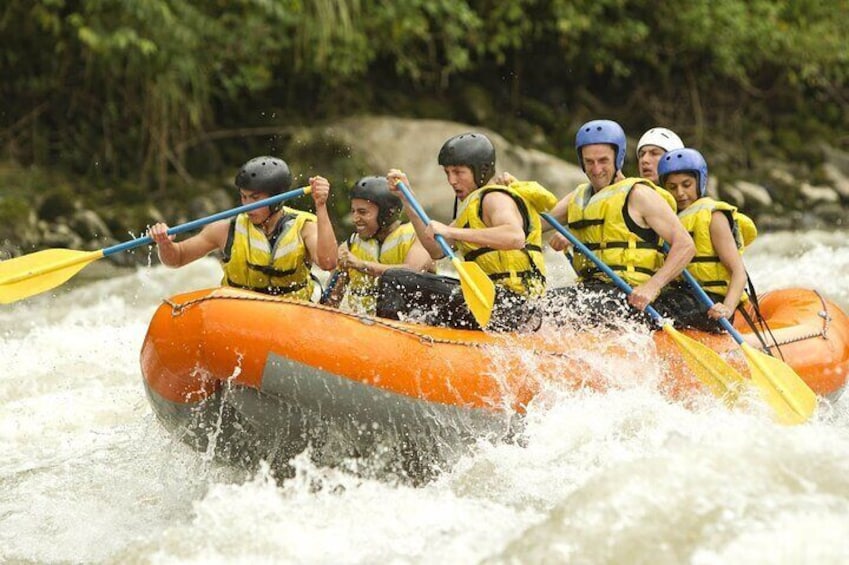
x: 32, y: 274
x: 477, y: 288
x: 713, y: 371
x: 780, y: 386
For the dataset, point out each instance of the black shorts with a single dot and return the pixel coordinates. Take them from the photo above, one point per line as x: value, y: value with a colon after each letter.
x: 597, y: 303
x: 438, y: 301
x: 680, y: 303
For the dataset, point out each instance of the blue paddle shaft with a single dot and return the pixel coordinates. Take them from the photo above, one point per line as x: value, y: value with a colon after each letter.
x: 195, y: 224
x: 599, y: 263
x: 331, y: 284
x: 424, y: 218
x: 702, y: 295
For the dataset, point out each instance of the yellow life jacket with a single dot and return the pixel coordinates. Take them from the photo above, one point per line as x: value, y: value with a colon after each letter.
x: 251, y: 262
x: 519, y: 270
x: 598, y: 221
x: 705, y: 265
x: 362, y: 287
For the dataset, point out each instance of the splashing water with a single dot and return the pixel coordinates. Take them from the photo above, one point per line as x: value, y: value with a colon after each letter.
x: 88, y: 474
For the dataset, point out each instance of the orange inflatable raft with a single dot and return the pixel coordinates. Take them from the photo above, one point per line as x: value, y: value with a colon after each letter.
x: 261, y: 376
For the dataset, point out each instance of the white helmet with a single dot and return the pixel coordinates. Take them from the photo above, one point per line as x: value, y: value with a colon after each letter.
x: 664, y: 138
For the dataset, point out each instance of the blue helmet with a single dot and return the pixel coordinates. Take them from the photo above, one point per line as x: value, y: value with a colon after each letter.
x: 684, y: 161
x: 602, y: 131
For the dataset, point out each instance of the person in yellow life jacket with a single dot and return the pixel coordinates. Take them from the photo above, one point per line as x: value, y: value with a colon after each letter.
x: 651, y: 147
x: 497, y: 225
x: 624, y: 222
x: 380, y: 242
x: 270, y: 249
x: 720, y: 233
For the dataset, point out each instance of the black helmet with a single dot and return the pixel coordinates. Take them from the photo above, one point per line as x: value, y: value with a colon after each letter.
x: 473, y: 150
x: 265, y: 174
x: 376, y: 190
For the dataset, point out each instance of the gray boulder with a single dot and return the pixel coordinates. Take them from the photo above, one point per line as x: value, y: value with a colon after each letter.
x: 59, y: 234
x: 413, y: 145
x: 89, y: 225
x: 838, y: 179
x: 731, y: 194
x: 754, y: 195
x: 815, y: 194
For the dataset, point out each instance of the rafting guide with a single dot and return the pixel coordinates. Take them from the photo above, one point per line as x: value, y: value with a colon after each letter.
x: 651, y: 147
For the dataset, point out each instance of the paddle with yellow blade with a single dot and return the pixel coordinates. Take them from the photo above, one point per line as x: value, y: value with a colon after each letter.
x: 780, y: 386
x: 478, y: 289
x: 712, y: 370
x: 35, y: 273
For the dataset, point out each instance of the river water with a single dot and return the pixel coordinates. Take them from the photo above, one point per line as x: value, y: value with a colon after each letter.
x: 88, y: 475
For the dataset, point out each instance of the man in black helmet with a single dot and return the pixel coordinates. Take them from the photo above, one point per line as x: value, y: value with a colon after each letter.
x: 380, y: 242
x: 269, y: 250
x: 497, y: 226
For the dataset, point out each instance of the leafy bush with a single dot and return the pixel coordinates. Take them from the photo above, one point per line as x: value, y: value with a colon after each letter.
x: 117, y: 90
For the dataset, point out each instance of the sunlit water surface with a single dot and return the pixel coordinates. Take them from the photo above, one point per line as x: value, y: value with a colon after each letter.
x: 88, y: 475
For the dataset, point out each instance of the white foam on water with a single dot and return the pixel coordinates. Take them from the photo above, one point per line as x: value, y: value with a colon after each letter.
x: 626, y: 475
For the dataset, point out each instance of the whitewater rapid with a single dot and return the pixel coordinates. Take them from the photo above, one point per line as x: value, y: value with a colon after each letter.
x: 628, y: 476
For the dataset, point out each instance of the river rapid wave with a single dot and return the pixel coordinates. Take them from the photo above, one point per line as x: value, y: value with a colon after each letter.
x: 88, y: 474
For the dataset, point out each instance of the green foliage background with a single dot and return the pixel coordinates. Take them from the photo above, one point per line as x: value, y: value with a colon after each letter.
x: 144, y: 90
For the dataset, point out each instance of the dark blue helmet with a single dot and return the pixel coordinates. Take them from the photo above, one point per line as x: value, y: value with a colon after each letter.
x: 602, y: 131
x: 684, y: 161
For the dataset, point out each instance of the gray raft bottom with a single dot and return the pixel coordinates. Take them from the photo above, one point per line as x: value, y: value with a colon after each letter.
x: 361, y: 428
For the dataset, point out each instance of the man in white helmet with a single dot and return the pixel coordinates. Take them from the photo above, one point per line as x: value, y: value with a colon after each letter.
x: 651, y: 147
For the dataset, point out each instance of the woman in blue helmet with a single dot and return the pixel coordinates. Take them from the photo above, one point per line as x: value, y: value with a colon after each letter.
x: 720, y: 233
x: 624, y: 223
